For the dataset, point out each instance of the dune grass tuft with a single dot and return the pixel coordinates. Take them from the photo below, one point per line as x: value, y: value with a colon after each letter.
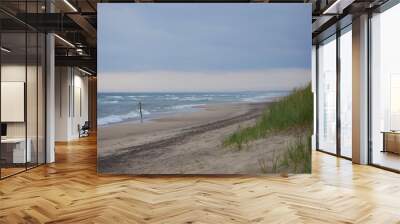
x: 292, y: 111
x: 297, y: 157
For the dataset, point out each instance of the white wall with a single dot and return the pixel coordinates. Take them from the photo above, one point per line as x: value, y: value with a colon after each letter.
x: 33, y: 126
x: 79, y: 115
x: 12, y: 73
x: 70, y: 84
x: 62, y: 82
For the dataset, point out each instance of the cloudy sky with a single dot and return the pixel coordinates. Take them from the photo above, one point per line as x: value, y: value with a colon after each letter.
x: 203, y: 47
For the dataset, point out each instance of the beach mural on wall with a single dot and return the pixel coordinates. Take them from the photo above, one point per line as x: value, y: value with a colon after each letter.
x: 204, y: 88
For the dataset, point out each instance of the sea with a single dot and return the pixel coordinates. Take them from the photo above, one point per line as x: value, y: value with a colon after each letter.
x: 121, y: 107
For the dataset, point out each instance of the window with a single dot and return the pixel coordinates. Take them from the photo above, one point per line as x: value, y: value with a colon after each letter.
x: 385, y: 89
x: 346, y: 92
x: 327, y: 95
x: 22, y: 79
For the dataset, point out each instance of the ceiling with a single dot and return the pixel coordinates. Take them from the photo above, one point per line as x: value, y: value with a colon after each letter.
x: 75, y: 21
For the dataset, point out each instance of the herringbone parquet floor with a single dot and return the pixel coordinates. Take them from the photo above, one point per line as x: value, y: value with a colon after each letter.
x: 70, y: 191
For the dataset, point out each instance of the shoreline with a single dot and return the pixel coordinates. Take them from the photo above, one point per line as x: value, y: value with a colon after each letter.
x: 149, y: 118
x: 161, y: 115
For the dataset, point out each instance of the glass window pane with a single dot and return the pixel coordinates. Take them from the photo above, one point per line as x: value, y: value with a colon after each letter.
x: 313, y: 84
x: 327, y: 96
x: 31, y: 97
x: 23, y: 90
x: 346, y: 94
x: 41, y: 98
x: 14, y: 153
x: 385, y: 89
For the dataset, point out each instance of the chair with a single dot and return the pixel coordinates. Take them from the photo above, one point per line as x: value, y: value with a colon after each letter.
x: 84, y: 130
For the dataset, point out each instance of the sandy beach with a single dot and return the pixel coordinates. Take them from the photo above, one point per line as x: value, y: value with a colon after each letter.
x: 187, y: 143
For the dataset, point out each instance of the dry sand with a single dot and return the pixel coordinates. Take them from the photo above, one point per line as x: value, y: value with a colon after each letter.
x: 187, y: 143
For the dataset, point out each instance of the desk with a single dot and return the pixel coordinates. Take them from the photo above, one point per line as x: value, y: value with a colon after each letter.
x: 18, y: 149
x: 391, y: 141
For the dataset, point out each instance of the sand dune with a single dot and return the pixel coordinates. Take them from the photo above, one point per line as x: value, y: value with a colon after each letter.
x: 186, y: 143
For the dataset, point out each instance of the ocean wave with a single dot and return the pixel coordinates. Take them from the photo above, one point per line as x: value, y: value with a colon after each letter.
x: 172, y: 98
x: 114, y: 97
x: 193, y: 98
x: 119, y: 118
x: 186, y: 106
x: 109, y: 102
x: 263, y: 97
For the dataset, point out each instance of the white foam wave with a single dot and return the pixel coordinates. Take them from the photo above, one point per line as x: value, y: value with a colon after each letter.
x: 172, y: 98
x: 110, y: 102
x: 186, y: 106
x: 263, y: 97
x: 119, y: 118
x: 115, y: 97
x: 193, y: 98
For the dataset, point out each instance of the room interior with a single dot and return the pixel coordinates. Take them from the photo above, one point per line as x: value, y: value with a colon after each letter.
x: 24, y: 58
x: 50, y: 80
x: 335, y: 90
x: 22, y: 101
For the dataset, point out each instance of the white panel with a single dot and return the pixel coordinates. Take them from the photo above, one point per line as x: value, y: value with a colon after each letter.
x: 12, y: 101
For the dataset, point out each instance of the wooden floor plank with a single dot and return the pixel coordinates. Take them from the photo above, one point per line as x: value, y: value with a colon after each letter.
x: 70, y: 191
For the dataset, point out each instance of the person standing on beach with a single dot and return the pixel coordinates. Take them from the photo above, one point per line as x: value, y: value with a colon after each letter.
x: 140, y: 111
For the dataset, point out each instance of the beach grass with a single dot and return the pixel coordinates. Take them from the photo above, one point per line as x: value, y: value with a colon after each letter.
x: 297, y: 157
x: 294, y: 111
